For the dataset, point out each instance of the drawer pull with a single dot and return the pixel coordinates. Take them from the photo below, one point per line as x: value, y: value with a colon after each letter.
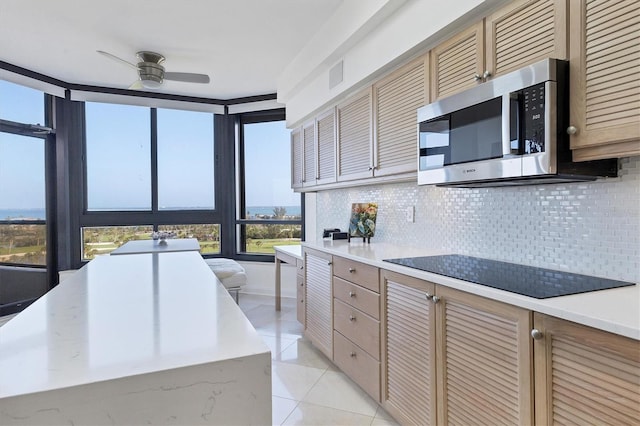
x: 352, y: 270
x: 429, y: 296
x: 352, y: 354
x: 352, y: 318
x: 352, y: 294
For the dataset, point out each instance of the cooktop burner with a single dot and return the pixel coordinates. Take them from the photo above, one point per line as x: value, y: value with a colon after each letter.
x: 526, y: 280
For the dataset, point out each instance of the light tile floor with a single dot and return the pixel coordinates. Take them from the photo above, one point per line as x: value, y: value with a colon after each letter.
x: 307, y: 388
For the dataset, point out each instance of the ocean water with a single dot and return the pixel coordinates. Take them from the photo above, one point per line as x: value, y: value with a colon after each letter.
x: 268, y: 210
x: 6, y: 214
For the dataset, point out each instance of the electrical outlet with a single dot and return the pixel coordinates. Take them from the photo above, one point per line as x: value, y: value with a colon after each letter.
x: 410, y: 214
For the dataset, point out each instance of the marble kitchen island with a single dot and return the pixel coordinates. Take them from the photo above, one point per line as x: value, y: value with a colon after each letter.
x: 136, y: 339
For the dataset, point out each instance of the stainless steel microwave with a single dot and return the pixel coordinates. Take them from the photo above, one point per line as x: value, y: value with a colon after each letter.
x: 510, y: 130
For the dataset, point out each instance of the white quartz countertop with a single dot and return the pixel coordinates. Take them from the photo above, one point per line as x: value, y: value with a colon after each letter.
x: 122, y: 316
x: 155, y: 246
x: 293, y: 250
x: 614, y: 310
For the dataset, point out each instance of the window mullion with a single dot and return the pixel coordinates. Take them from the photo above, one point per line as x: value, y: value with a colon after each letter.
x: 154, y: 162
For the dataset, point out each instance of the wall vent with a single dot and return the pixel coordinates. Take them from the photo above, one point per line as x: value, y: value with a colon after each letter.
x: 335, y: 75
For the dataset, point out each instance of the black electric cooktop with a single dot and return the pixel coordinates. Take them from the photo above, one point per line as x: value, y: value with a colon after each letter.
x: 526, y: 280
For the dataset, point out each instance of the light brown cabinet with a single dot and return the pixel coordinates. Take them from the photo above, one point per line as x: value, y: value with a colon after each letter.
x: 584, y: 375
x: 395, y: 100
x: 605, y: 89
x: 319, y: 300
x: 356, y: 323
x: 485, y: 369
x: 297, y: 159
x: 300, y: 292
x: 521, y: 33
x: 355, y: 157
x: 408, y: 349
x: 454, y: 358
x: 326, y: 147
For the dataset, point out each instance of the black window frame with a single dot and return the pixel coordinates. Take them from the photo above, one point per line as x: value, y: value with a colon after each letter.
x: 240, y: 240
x: 153, y: 217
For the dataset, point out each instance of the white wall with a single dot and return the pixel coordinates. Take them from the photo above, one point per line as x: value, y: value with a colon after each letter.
x: 386, y: 33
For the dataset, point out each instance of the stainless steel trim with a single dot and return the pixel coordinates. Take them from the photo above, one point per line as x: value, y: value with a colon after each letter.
x: 506, y: 124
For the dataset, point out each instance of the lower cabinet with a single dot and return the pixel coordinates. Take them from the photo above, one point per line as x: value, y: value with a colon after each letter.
x: 319, y: 310
x: 356, y: 323
x: 300, y: 292
x: 484, y: 359
x: 454, y: 358
x: 408, y: 349
x: 584, y: 375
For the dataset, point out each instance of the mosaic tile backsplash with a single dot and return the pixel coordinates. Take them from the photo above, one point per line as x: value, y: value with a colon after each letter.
x: 588, y: 228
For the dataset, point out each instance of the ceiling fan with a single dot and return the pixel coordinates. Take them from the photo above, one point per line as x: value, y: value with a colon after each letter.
x: 151, y: 72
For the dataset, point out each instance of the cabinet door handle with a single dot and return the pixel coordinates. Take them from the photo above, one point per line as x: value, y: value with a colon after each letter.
x: 352, y: 354
x: 301, y: 284
x: 429, y: 296
x: 352, y: 270
x: 435, y: 299
x: 486, y: 75
x: 329, y: 263
x: 536, y: 334
x: 352, y: 318
x: 477, y: 77
x: 352, y: 294
x: 572, y: 130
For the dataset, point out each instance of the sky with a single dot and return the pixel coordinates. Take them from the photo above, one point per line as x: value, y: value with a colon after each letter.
x: 118, y: 157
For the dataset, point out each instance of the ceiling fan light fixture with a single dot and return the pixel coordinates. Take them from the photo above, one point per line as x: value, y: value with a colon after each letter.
x: 151, y: 74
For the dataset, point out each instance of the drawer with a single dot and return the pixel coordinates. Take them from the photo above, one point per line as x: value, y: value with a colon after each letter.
x: 359, y: 297
x: 300, y: 267
x: 358, y: 327
x: 357, y: 364
x: 300, y: 299
x: 356, y: 272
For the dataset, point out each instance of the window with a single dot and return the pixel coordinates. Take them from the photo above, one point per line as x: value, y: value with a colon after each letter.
x: 148, y: 170
x: 270, y: 212
x: 185, y: 160
x: 118, y: 157
x: 23, y: 230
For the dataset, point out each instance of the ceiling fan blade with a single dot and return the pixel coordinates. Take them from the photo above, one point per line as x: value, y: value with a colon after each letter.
x: 114, y: 57
x: 187, y: 77
x: 136, y: 85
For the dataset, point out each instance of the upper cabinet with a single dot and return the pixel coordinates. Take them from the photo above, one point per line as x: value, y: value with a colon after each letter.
x: 396, y: 99
x: 355, y: 159
x: 458, y: 63
x: 309, y: 154
x: 517, y: 35
x: 525, y: 32
x: 296, y: 158
x: 605, y: 89
x: 326, y: 148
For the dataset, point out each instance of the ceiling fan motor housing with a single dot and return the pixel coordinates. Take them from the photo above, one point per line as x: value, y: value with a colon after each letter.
x: 151, y: 74
x: 149, y: 68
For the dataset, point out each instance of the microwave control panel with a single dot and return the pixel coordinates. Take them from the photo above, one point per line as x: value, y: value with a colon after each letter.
x: 533, y: 100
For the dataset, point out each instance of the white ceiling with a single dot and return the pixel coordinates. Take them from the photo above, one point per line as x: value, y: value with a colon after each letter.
x: 243, y: 45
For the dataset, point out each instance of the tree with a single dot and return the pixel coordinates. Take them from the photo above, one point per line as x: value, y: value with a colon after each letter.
x: 279, y: 212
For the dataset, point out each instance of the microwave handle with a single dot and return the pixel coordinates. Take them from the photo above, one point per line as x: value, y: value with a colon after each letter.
x: 506, y: 125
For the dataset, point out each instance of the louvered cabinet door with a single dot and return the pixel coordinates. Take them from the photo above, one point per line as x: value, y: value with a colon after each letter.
x: 396, y: 99
x: 408, y: 349
x: 319, y: 313
x: 309, y: 154
x: 456, y: 62
x: 604, y: 69
x: 485, y: 361
x: 525, y: 32
x: 326, y: 136
x: 354, y: 137
x: 585, y: 376
x: 296, y: 158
